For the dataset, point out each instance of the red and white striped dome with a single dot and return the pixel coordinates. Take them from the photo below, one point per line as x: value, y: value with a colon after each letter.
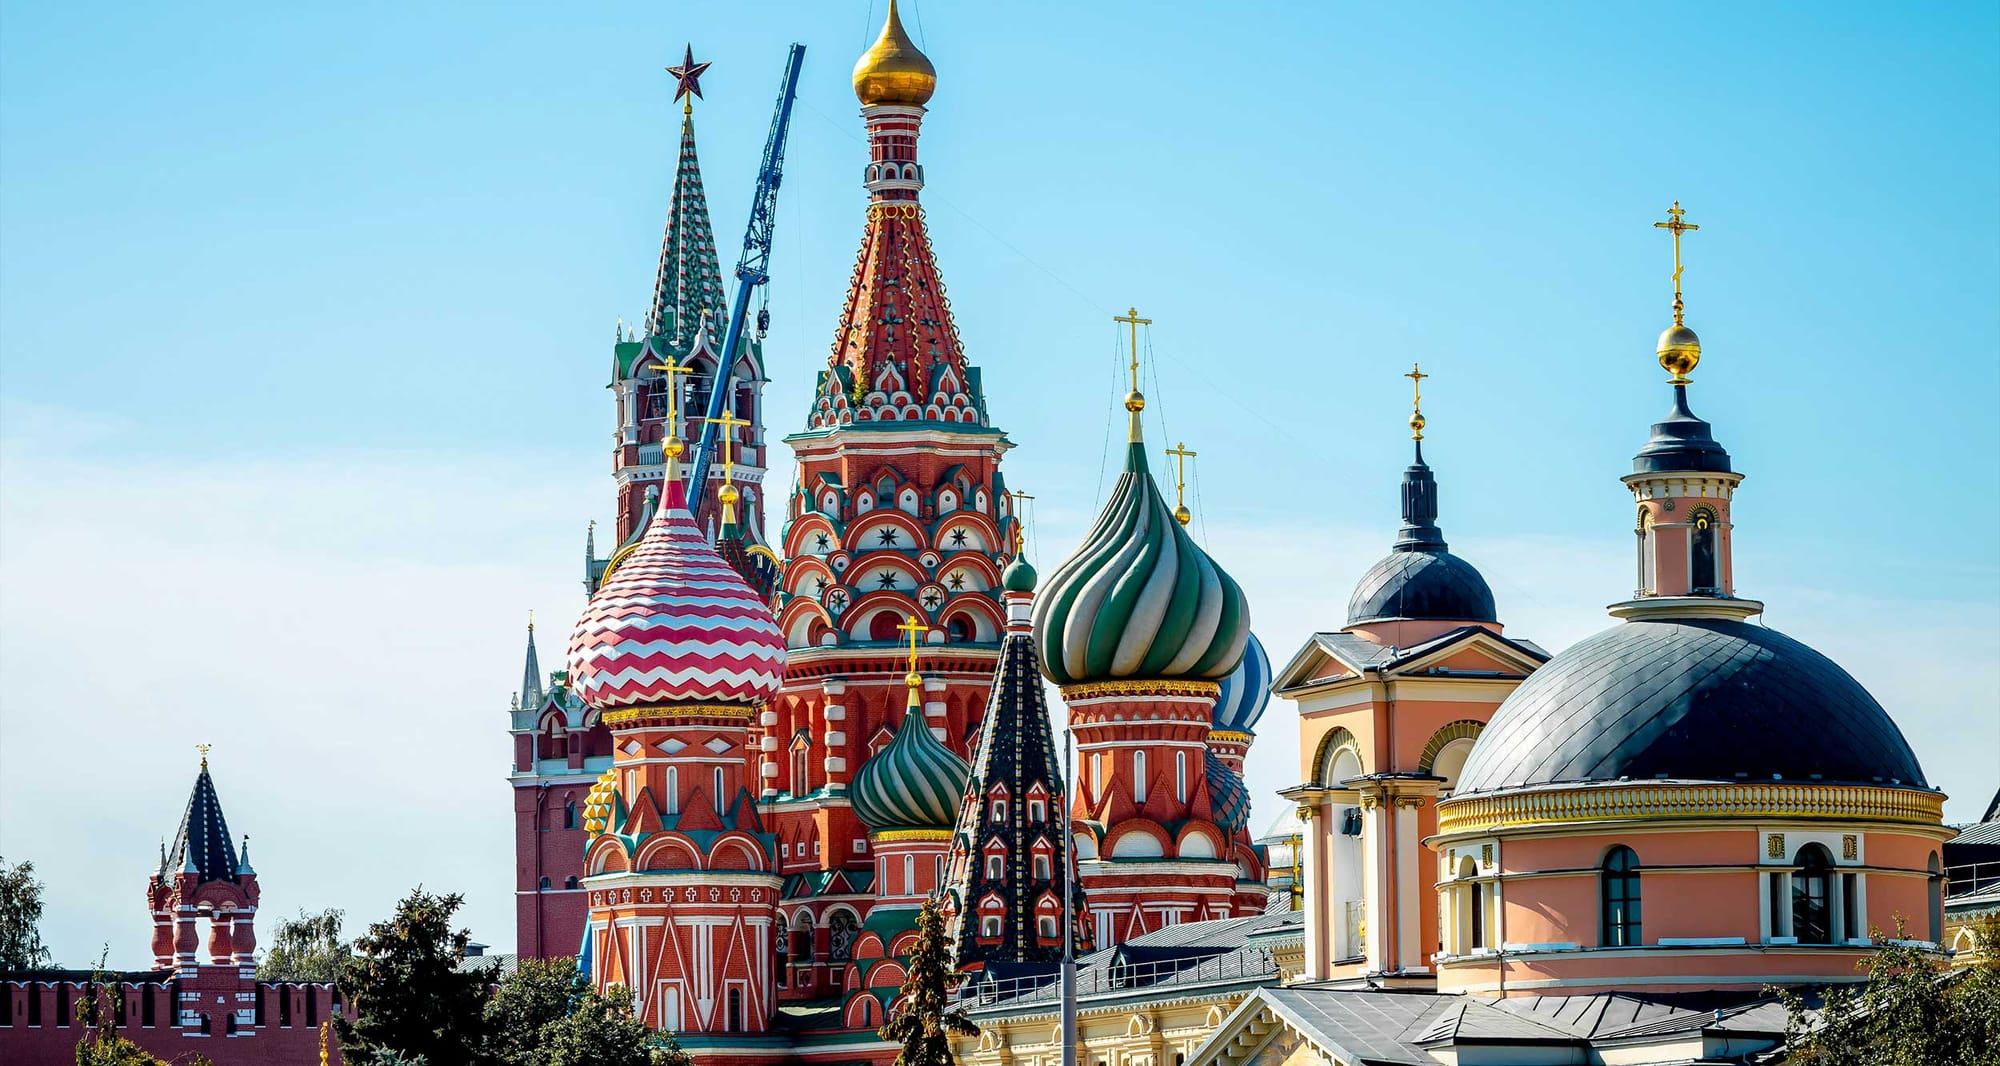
x: 674, y: 623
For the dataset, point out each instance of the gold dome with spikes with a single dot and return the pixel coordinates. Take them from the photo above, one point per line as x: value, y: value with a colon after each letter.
x: 892, y: 70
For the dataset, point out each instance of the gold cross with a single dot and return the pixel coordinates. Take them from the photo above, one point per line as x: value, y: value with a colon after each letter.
x: 1131, y: 318
x: 1416, y: 376
x: 1676, y: 224
x: 1020, y: 523
x: 913, y: 627
x: 728, y: 421
x: 670, y: 368
x: 1181, y: 456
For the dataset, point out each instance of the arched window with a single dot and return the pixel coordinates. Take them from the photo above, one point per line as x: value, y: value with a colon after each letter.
x: 1812, y: 896
x: 1936, y: 902
x: 570, y: 881
x: 1046, y: 926
x: 1701, y: 552
x: 1644, y: 532
x: 909, y: 875
x: 1618, y: 896
x: 719, y: 797
x: 989, y: 926
x: 1138, y: 777
x: 545, y: 884
x: 569, y: 815
x: 996, y: 868
x: 1180, y: 777
x: 673, y: 796
x: 735, y: 1010
x: 1042, y: 868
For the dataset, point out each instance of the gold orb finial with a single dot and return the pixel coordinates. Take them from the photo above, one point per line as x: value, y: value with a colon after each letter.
x: 1182, y: 514
x: 1679, y: 349
x: 893, y: 70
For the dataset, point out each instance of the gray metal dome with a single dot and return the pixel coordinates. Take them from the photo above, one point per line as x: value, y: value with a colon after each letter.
x: 1421, y: 585
x: 1689, y: 699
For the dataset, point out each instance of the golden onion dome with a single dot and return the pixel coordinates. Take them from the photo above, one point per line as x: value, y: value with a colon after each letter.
x: 1679, y: 351
x: 892, y: 70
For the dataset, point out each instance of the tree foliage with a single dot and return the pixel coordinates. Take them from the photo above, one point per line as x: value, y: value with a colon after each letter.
x: 544, y: 1014
x: 1912, y: 1011
x: 307, y: 948
x: 927, y: 1021
x: 21, y: 945
x: 409, y: 997
x: 98, y: 1012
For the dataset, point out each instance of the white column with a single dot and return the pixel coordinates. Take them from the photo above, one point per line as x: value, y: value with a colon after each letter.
x: 1378, y: 868
x: 1317, y: 896
x: 1410, y: 882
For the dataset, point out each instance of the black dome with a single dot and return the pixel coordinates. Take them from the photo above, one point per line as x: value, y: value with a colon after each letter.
x: 1689, y: 699
x: 1421, y: 585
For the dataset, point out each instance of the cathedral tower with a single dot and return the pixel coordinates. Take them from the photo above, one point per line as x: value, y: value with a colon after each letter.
x: 1138, y: 626
x: 678, y: 654
x: 899, y: 516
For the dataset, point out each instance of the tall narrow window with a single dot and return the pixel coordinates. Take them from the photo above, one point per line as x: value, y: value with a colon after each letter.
x: 1701, y: 552
x: 1180, y: 777
x: 673, y: 796
x: 1644, y: 532
x: 1774, y: 897
x: 721, y: 801
x: 1618, y: 893
x: 909, y: 875
x: 1138, y: 777
x: 569, y: 815
x: 799, y: 771
x: 1936, y: 901
x: 1812, y: 896
x: 1850, y: 906
x: 1478, y: 897
x: 735, y: 1010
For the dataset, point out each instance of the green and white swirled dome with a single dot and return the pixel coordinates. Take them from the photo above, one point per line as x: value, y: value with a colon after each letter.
x: 914, y: 783
x: 1139, y: 599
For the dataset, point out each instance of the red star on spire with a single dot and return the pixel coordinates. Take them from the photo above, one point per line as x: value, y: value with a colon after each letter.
x: 687, y: 76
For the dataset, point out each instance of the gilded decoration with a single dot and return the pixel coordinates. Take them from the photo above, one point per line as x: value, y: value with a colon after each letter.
x: 1100, y: 689
x: 1669, y: 802
x: 1774, y: 846
x: 1850, y: 846
x: 636, y: 715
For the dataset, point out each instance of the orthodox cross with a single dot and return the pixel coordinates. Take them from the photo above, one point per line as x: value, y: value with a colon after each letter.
x: 1677, y: 224
x: 728, y: 421
x: 670, y: 368
x: 687, y: 79
x: 1181, y: 455
x: 1132, y: 319
x: 913, y: 627
x: 1416, y: 376
x: 1020, y: 523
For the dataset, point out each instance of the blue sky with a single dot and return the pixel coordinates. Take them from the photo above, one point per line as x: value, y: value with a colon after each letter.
x: 304, y: 314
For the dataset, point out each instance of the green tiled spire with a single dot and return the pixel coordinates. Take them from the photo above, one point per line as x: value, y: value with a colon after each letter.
x: 689, y: 283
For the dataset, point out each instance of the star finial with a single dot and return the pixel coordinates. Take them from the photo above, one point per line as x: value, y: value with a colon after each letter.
x: 687, y: 76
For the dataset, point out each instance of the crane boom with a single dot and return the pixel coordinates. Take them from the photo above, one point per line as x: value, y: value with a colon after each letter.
x: 752, y: 269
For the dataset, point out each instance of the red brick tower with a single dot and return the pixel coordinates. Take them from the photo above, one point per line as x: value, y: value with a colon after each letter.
x: 899, y: 514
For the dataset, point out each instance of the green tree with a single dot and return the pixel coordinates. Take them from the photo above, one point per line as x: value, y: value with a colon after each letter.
x: 307, y: 948
x: 98, y: 1011
x: 409, y: 997
x: 1912, y: 1011
x: 21, y: 945
x: 927, y: 1021
x: 544, y: 1015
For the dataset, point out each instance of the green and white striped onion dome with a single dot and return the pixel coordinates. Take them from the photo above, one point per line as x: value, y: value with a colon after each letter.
x: 914, y: 783
x: 1139, y: 599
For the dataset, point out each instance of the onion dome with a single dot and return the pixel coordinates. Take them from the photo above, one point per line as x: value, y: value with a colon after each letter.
x: 914, y: 783
x: 1702, y: 699
x: 1246, y: 692
x: 1228, y: 798
x: 1420, y: 580
x: 892, y: 70
x: 1019, y: 576
x: 1139, y: 599
x: 674, y: 623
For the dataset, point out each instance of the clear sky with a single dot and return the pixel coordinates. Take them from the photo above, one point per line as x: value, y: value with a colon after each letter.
x: 305, y: 314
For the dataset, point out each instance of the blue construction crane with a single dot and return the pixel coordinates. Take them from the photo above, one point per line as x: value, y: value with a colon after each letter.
x: 752, y: 269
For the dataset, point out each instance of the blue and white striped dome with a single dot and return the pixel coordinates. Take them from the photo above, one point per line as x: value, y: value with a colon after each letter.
x: 1246, y: 692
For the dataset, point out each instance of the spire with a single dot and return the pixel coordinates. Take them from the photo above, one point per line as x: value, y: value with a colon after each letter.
x: 1420, y: 531
x: 689, y: 283
x: 1681, y: 441
x: 202, y: 842
x: 1015, y: 756
x: 531, y: 672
